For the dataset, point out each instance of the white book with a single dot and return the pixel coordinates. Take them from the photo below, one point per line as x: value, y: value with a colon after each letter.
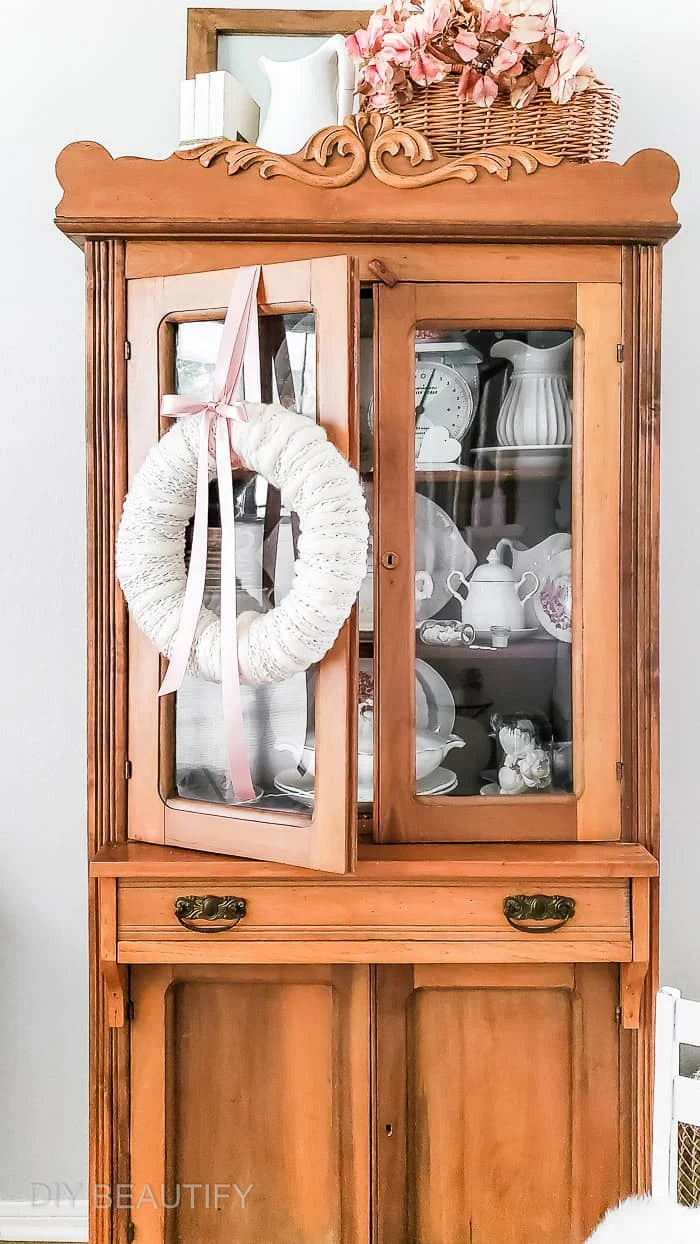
x: 233, y: 113
x: 187, y: 112
x: 201, y: 107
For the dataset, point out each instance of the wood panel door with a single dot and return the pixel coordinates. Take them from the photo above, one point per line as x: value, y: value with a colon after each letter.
x: 499, y: 1103
x: 178, y: 792
x: 511, y: 519
x: 250, y: 1105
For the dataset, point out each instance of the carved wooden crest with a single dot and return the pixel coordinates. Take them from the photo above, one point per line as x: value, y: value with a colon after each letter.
x: 338, y: 155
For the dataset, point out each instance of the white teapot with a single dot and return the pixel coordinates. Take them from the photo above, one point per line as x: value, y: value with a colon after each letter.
x: 493, y: 595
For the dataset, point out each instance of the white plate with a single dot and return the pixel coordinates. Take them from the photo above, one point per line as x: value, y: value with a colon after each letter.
x: 440, y: 549
x: 552, y: 601
x: 439, y: 782
x: 291, y: 782
x: 435, y: 706
x: 522, y: 455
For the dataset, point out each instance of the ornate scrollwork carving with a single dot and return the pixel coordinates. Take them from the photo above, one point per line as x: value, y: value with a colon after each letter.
x: 397, y: 157
x: 341, y: 140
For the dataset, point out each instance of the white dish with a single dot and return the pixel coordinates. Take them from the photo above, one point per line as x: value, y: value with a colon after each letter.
x: 297, y: 786
x: 552, y: 602
x: 522, y: 455
x: 292, y: 782
x: 441, y: 782
x: 440, y: 549
x: 491, y: 788
x: 537, y: 559
x: 435, y: 706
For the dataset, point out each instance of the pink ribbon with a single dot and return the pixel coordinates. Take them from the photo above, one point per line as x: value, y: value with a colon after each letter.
x: 239, y: 350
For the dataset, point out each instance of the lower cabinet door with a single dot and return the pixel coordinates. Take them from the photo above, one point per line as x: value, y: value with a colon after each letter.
x: 250, y: 1105
x: 500, y: 1103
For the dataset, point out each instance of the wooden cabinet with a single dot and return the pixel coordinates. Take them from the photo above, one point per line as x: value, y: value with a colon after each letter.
x: 408, y: 998
x: 494, y: 1088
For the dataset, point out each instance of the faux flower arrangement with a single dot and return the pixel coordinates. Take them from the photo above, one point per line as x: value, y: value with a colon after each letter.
x: 502, y: 47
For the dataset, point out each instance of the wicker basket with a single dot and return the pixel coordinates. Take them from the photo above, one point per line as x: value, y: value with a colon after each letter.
x: 580, y: 130
x: 689, y: 1163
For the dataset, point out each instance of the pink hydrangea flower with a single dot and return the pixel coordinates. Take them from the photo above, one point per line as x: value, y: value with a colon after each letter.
x: 477, y: 88
x: 523, y: 92
x: 425, y: 69
x: 466, y: 45
x: 508, y: 61
x: 505, y: 46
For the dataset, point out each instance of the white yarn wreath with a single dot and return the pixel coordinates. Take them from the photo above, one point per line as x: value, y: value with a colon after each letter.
x: 292, y: 453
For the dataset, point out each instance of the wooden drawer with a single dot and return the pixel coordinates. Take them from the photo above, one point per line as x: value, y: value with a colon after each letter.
x: 353, y: 911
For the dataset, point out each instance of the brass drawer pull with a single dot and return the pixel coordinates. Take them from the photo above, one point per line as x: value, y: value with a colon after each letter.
x: 556, y: 907
x: 210, y: 907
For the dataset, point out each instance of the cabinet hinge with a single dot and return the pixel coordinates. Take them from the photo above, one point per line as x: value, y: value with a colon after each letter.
x: 127, y: 350
x: 130, y: 1232
x: 619, y: 770
x: 620, y: 353
x: 130, y: 1009
x: 128, y: 770
x: 618, y: 1014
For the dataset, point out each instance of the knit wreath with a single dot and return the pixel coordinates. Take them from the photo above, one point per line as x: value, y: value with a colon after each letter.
x: 292, y: 453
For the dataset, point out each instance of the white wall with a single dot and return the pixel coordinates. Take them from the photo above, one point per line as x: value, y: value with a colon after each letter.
x: 110, y: 72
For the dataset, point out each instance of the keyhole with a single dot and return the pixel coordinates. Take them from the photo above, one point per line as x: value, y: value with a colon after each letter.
x: 390, y: 561
x: 389, y: 1129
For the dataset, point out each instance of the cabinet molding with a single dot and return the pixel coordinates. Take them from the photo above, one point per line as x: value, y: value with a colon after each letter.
x: 130, y: 198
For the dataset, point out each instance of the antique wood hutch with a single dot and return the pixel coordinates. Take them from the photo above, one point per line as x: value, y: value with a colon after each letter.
x: 377, y: 1039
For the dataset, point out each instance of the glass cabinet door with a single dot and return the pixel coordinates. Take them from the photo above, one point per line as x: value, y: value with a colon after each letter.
x: 298, y: 731
x: 498, y: 468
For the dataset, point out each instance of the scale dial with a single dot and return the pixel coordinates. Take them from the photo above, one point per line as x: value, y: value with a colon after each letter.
x: 443, y: 399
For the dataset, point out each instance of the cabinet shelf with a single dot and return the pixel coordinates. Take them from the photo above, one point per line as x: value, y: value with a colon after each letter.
x: 540, y: 647
x: 537, y: 648
x: 484, y: 475
x: 435, y: 862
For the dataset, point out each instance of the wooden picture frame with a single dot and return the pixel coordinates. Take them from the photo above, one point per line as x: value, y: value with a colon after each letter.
x: 205, y: 25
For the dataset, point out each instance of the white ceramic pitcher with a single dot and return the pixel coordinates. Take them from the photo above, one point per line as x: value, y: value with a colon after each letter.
x: 306, y: 95
x: 536, y: 409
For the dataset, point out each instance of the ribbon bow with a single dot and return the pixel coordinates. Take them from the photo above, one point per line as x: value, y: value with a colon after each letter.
x: 239, y: 349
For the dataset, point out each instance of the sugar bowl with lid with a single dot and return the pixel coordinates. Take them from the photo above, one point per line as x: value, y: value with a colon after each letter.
x: 493, y: 594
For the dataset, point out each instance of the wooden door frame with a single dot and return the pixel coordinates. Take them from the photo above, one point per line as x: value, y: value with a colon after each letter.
x: 205, y: 25
x: 327, y: 838
x: 594, y: 313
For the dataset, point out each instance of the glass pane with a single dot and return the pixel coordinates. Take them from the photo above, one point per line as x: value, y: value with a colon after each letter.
x: 365, y: 733
x: 279, y: 719
x: 493, y: 562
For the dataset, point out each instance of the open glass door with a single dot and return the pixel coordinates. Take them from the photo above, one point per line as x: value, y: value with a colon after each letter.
x: 300, y: 733
x: 498, y: 462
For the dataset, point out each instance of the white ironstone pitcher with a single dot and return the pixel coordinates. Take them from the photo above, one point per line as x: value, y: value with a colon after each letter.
x: 536, y: 409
